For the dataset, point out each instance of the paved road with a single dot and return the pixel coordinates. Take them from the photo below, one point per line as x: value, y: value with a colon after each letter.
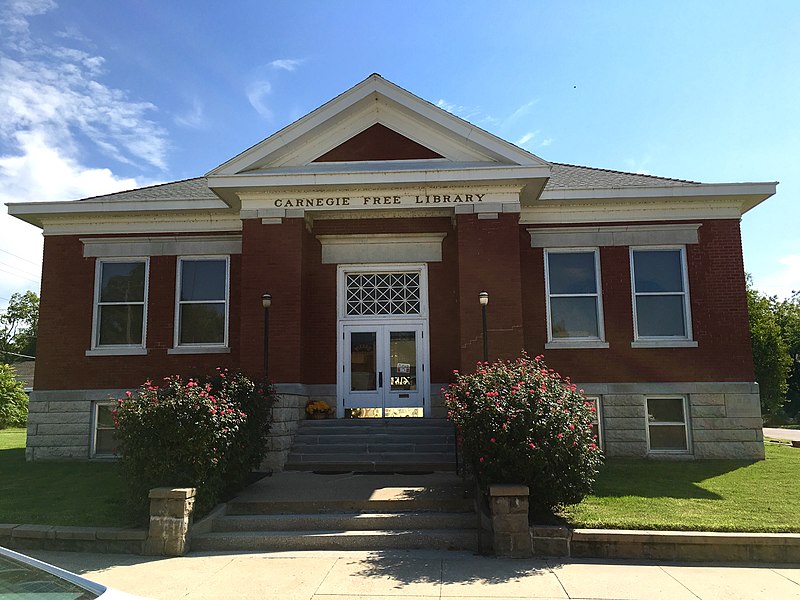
x: 783, y: 434
x: 417, y: 575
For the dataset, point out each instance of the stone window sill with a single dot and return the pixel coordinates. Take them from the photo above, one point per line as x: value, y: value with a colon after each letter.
x: 571, y: 345
x: 664, y: 344
x: 199, y: 350
x: 117, y: 352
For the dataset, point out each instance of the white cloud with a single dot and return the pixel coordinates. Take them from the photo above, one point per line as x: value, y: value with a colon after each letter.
x: 783, y: 280
x: 193, y: 117
x: 469, y: 113
x: 51, y: 102
x: 518, y: 113
x: 287, y: 64
x: 14, y: 18
x: 526, y: 138
x: 257, y: 93
x: 546, y: 142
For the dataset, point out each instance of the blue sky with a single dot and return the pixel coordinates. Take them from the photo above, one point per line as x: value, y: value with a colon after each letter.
x: 102, y: 95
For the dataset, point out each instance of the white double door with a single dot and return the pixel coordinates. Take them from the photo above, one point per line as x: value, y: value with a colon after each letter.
x: 384, y: 365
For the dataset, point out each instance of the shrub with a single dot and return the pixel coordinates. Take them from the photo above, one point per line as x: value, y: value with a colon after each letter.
x: 13, y: 399
x: 192, y: 434
x: 255, y: 400
x: 521, y: 422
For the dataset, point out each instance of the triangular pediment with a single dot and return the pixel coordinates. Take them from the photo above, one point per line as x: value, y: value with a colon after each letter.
x: 378, y: 142
x: 375, y: 121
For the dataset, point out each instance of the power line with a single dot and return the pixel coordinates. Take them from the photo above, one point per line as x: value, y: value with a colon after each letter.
x: 38, y: 281
x: 35, y: 264
x: 5, y: 264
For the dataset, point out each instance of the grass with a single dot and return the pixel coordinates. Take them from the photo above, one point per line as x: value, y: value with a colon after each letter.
x: 720, y: 495
x: 57, y: 493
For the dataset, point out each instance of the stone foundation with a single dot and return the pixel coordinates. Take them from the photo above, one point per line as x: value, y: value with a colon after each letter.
x: 724, y: 419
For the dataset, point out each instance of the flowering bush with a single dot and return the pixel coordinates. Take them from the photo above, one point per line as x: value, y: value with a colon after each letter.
x: 206, y: 434
x: 521, y: 422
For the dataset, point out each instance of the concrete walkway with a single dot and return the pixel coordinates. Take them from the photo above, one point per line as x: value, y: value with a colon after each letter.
x: 415, y: 575
x: 782, y: 434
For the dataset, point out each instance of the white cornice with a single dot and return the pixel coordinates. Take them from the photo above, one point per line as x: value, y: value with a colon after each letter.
x: 701, y: 197
x: 142, y: 223
x: 35, y: 213
x: 484, y: 174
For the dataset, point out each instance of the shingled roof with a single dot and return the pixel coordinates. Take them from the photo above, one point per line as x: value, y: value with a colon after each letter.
x: 186, y: 189
x: 563, y: 176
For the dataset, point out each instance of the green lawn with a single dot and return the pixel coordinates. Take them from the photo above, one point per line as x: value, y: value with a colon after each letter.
x: 629, y: 494
x: 57, y: 493
x: 699, y: 495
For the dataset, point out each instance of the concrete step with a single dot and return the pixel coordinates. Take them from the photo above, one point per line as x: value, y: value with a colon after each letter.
x: 316, y: 436
x: 422, y: 503
x: 446, y: 539
x: 353, y: 521
x: 344, y: 445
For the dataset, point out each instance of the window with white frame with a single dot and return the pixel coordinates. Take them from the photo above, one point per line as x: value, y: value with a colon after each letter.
x: 574, y: 303
x: 120, y: 313
x: 666, y: 425
x: 202, y: 302
x: 660, y: 294
x: 104, y: 439
x: 597, y: 421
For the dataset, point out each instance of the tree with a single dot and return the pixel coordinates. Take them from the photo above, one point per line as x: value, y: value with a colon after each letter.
x: 13, y: 399
x: 788, y: 317
x: 18, y: 325
x: 770, y: 351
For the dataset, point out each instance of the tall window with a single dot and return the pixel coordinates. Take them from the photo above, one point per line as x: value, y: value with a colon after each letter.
x: 120, y: 303
x: 104, y: 441
x: 660, y: 294
x: 666, y: 425
x: 573, y: 295
x: 202, y: 311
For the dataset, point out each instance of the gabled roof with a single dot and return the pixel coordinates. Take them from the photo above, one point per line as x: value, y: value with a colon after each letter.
x: 376, y: 101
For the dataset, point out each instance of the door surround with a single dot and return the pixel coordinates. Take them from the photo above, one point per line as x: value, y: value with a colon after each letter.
x: 413, y: 313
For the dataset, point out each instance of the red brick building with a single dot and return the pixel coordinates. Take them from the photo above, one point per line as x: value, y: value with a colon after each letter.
x: 374, y: 223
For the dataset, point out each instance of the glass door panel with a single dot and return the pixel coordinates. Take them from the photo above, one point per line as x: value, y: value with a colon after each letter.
x: 403, y: 360
x: 383, y: 370
x: 363, y: 371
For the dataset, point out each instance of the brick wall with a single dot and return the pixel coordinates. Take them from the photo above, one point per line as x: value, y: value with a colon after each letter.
x: 490, y: 254
x: 718, y: 306
x: 65, y: 325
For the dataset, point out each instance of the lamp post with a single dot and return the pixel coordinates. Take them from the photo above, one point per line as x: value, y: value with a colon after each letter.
x: 266, y: 301
x: 483, y: 297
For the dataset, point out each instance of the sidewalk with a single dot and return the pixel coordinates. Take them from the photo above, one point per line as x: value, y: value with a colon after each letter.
x: 782, y: 434
x: 416, y: 575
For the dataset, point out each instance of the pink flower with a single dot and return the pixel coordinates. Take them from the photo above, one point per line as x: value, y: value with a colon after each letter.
x: 571, y: 426
x: 492, y: 440
x: 481, y: 459
x: 560, y: 435
x: 532, y: 445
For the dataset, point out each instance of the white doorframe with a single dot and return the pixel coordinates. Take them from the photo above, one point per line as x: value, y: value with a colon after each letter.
x: 413, y: 321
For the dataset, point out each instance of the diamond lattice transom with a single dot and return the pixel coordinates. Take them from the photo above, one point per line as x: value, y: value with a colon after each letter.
x: 382, y: 294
